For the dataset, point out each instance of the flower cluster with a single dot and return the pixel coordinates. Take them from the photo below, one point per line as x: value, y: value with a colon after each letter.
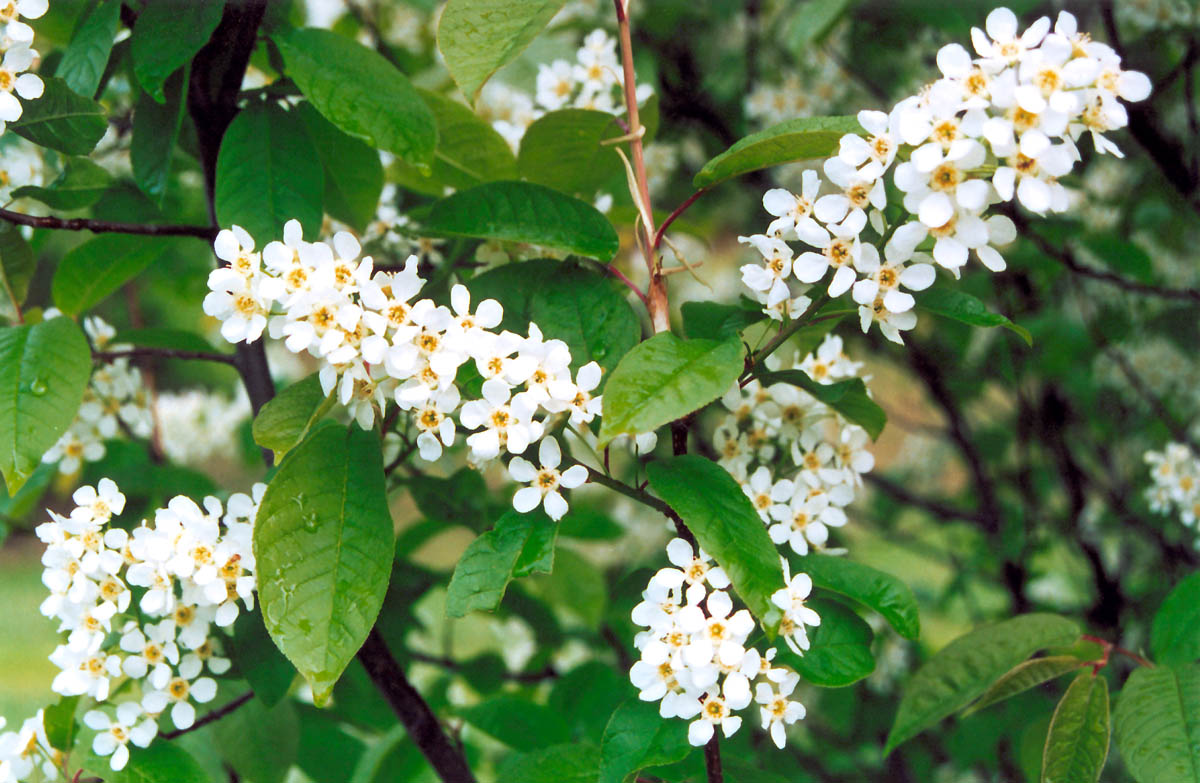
x: 378, y: 343
x: 997, y: 126
x: 115, y: 398
x: 19, y: 57
x: 768, y: 424
x: 196, y: 425
x: 1175, y: 472
x: 694, y: 659
x: 594, y: 81
x: 191, y: 567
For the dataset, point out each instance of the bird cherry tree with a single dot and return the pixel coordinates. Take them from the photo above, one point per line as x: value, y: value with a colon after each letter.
x: 447, y: 303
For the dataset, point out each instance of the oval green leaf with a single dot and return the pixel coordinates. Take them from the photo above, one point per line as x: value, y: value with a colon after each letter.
x: 266, y: 176
x: 353, y: 172
x: 665, y: 378
x: 167, y: 35
x: 840, y: 648
x: 360, y: 92
x: 93, y: 271
x: 323, y: 543
x: 717, y: 511
x: 286, y: 419
x: 86, y: 56
x: 637, y: 737
x: 477, y: 37
x: 1024, y: 676
x: 17, y: 265
x: 799, y: 139
x: 155, y: 129
x: 1175, y: 634
x: 1156, y: 724
x: 563, y: 150
x: 1077, y: 743
x: 80, y: 185
x: 519, y: 544
x: 872, y: 588
x: 961, y: 306
x: 44, y: 370
x: 61, y: 119
x: 715, y: 321
x: 524, y: 212
x: 849, y: 397
x: 966, y: 667
x: 469, y: 152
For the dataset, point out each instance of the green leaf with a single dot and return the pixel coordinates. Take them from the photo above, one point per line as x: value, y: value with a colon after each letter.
x: 638, y: 737
x: 91, y: 272
x: 86, y: 56
x: 840, y: 651
x: 574, y: 763
x: 80, y: 185
x: 961, y: 306
x: 1122, y: 255
x: 588, y: 524
x: 360, y: 92
x: 44, y: 370
x: 562, y: 150
x: 162, y: 762
x: 576, y: 585
x: 163, y: 337
x: 524, y: 212
x: 966, y: 667
x: 469, y: 152
x: 520, y: 724
x: 258, y: 660
x: 353, y: 172
x: 1077, y: 744
x: 714, y: 321
x: 665, y: 378
x: 717, y: 511
x: 477, y: 37
x: 156, y: 127
x: 287, y: 419
x: 849, y: 397
x: 1175, y: 634
x: 1024, y: 676
x: 17, y: 264
x: 811, y: 22
x: 873, y: 589
x: 61, y: 726
x: 799, y: 139
x: 1156, y: 724
x: 61, y: 119
x: 569, y: 302
x: 266, y: 176
x: 242, y: 736
x: 328, y: 752
x: 458, y: 499
x: 166, y: 37
x: 323, y: 544
x: 518, y: 542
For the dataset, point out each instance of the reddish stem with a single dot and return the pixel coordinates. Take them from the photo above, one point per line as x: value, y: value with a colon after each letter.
x: 679, y: 210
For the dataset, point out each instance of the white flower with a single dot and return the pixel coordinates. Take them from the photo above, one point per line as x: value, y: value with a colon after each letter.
x: 771, y: 277
x: 840, y: 248
x: 116, y: 734
x: 10, y: 15
x: 1001, y: 45
x: 796, y: 615
x: 805, y: 520
x: 777, y: 709
x: 692, y: 569
x: 545, y: 481
x: 555, y: 84
x: 12, y: 78
x: 178, y: 692
x: 789, y: 208
x: 884, y: 280
x: 718, y: 709
x: 861, y: 188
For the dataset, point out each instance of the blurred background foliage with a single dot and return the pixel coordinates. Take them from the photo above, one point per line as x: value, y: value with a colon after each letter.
x: 1009, y: 479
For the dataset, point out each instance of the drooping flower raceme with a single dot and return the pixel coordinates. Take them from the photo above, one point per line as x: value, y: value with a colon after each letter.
x: 194, y: 568
x: 1175, y: 473
x: 999, y: 125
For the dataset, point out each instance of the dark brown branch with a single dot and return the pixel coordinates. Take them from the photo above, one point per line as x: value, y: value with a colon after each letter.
x: 414, y: 713
x: 164, y: 353
x: 712, y: 760
x: 935, y: 507
x: 215, y: 715
x: 107, y: 227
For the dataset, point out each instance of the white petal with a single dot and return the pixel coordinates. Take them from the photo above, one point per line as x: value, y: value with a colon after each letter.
x: 527, y: 499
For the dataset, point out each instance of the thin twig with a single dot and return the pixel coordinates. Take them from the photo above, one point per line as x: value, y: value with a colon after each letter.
x: 646, y: 499
x: 617, y: 273
x: 165, y: 353
x: 679, y: 210
x: 215, y: 715
x: 107, y: 227
x: 1118, y: 649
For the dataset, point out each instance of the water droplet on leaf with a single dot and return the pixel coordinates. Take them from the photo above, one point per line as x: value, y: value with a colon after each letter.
x: 37, y: 387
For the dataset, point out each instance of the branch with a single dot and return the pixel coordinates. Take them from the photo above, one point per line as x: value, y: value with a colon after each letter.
x: 215, y: 715
x: 646, y: 499
x: 107, y: 227
x: 679, y: 210
x: 414, y: 713
x: 164, y: 353
x: 934, y: 507
x: 1064, y: 256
